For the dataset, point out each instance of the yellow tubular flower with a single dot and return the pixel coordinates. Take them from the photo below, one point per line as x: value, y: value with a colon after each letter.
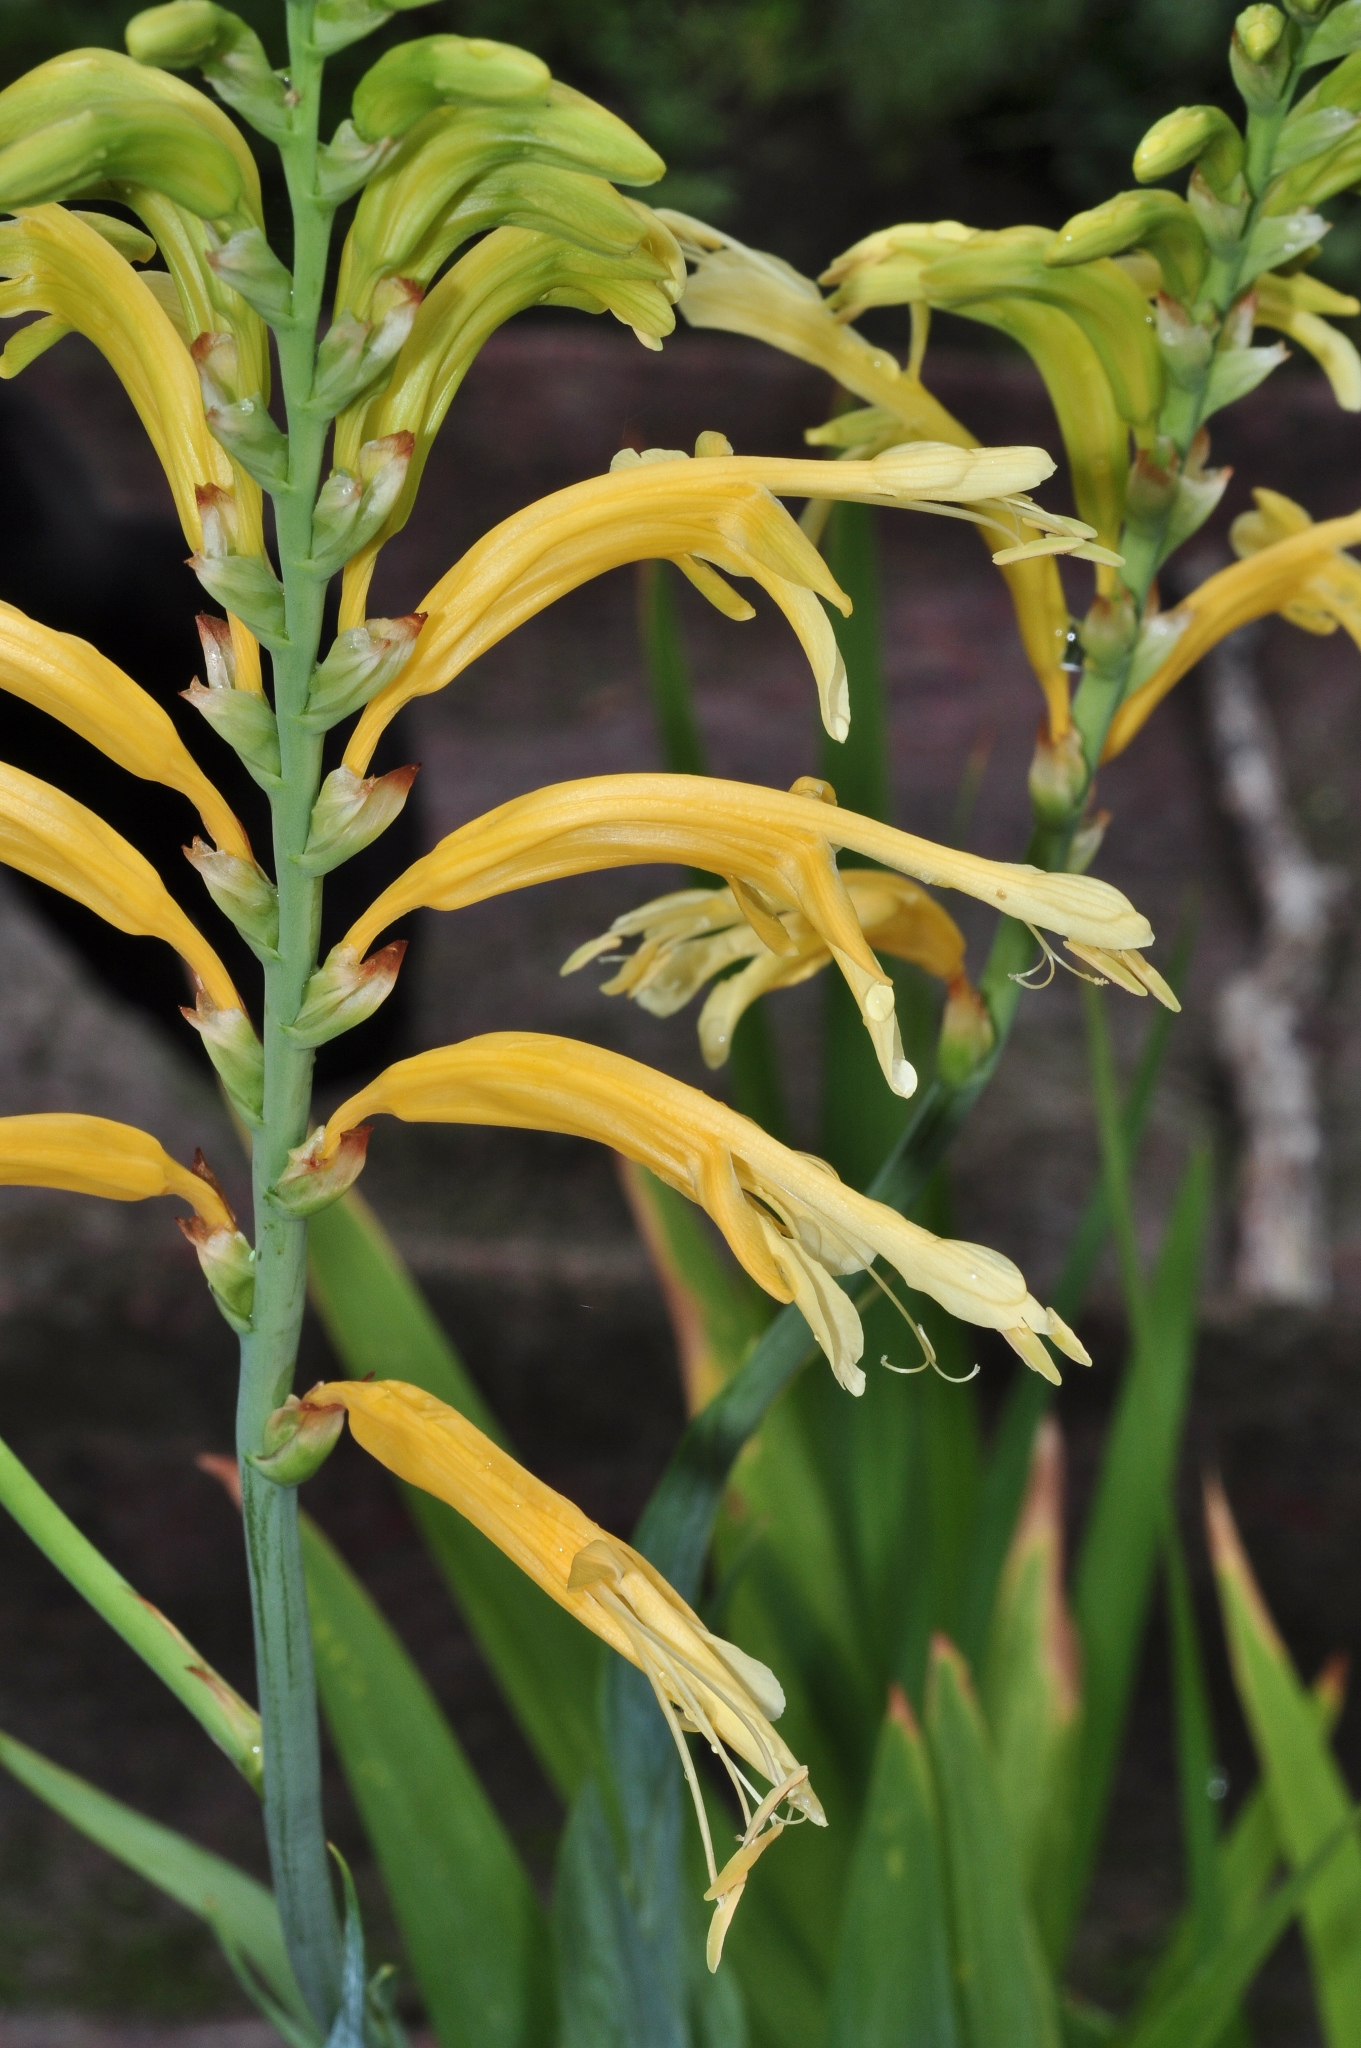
x: 508, y: 271
x: 775, y: 851
x: 59, y: 265
x: 744, y: 291
x: 787, y: 1217
x: 73, y: 681
x: 716, y: 508
x: 1294, y: 305
x: 89, y: 1155
x: 198, y: 301
x: 704, y: 1685
x: 48, y: 835
x: 687, y: 938
x: 1303, y: 575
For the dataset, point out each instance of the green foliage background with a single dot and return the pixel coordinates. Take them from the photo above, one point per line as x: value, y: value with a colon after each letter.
x: 802, y: 124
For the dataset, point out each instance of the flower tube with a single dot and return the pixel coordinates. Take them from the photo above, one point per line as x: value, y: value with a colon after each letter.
x: 48, y: 835
x: 91, y: 1155
x: 704, y: 1685
x: 714, y: 511
x: 73, y: 681
x: 58, y: 264
x: 787, y: 1217
x: 1302, y: 572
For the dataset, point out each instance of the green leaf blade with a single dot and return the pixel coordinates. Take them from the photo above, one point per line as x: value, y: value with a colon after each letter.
x: 470, y: 1922
x: 241, y: 1911
x: 1004, y: 1990
x: 1305, y: 1789
x: 891, y: 1985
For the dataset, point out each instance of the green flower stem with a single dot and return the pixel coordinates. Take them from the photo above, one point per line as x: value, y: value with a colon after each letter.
x: 294, y: 1822
x: 1100, y: 692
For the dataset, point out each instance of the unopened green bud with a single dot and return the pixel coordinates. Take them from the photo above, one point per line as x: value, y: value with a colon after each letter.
x: 1108, y: 632
x: 442, y: 71
x: 1158, y: 221
x: 1204, y: 136
x: 245, y: 718
x: 1058, y: 776
x: 1259, y: 31
x: 231, y: 1044
x: 345, y: 991
x: 354, y: 353
x: 248, y: 264
x: 228, y: 1265
x: 195, y: 34
x: 350, y: 509
x: 310, y: 1183
x: 350, y: 813
x: 297, y: 1439
x: 967, y: 1035
x: 141, y: 140
x: 1260, y: 57
x: 347, y: 162
x: 242, y: 893
x: 362, y: 661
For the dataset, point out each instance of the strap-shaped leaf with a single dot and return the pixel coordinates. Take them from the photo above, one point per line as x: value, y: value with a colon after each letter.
x: 1114, y: 1577
x: 1032, y: 1689
x: 379, y: 1322
x: 1306, y: 1791
x: 241, y: 1912
x: 1197, y: 2015
x: 1005, y: 1992
x: 468, y: 1916
x: 892, y: 1982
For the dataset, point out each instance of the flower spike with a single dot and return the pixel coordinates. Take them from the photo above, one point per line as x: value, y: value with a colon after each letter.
x: 787, y: 1217
x: 74, y: 682
x: 715, y: 511
x: 704, y: 1685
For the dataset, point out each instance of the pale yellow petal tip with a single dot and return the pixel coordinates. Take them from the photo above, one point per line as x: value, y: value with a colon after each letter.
x: 719, y: 1925
x: 1027, y: 1345
x: 1128, y: 969
x: 1069, y: 1344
